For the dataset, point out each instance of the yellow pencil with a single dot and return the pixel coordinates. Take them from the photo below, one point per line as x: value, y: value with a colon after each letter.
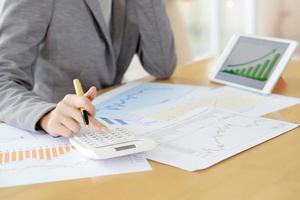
x: 79, y: 92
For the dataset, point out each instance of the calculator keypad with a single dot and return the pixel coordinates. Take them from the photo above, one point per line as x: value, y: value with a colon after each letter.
x: 113, y: 136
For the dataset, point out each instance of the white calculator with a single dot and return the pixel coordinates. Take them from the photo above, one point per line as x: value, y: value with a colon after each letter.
x: 118, y: 141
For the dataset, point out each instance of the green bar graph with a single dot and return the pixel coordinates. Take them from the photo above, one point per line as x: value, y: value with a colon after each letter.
x: 256, y: 70
x: 248, y: 73
x: 243, y: 71
x: 269, y: 69
x: 260, y: 71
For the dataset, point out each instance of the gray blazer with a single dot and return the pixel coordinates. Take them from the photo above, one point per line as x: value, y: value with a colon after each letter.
x: 44, y: 44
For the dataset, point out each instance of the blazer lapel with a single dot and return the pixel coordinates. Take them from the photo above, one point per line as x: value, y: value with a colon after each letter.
x: 94, y: 6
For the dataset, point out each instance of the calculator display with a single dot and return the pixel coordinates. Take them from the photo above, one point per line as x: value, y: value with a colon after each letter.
x: 132, y: 146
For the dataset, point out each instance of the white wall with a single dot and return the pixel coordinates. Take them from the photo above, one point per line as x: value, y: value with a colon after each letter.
x: 235, y: 17
x: 279, y: 20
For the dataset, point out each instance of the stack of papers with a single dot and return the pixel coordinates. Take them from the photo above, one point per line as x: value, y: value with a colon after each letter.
x: 195, y: 128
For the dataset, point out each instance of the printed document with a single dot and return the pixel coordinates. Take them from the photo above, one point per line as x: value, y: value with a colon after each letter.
x: 29, y: 158
x: 206, y: 136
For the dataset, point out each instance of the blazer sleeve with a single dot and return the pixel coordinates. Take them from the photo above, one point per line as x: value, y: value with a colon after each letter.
x: 23, y: 25
x: 156, y: 48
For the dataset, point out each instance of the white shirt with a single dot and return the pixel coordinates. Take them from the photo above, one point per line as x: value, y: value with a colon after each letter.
x: 106, y: 6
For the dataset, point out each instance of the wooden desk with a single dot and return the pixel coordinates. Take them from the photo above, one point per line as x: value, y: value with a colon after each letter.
x: 268, y: 171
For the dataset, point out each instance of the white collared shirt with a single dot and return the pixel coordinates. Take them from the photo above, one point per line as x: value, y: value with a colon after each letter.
x: 106, y: 6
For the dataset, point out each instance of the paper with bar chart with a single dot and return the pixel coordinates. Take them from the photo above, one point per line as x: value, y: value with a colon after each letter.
x: 252, y: 62
x: 116, y: 107
x: 28, y: 158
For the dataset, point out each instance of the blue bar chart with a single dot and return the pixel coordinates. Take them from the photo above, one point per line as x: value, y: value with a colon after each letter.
x: 111, y: 121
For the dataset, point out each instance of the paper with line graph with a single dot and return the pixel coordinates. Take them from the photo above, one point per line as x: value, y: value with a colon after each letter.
x: 28, y: 158
x: 132, y: 103
x: 206, y: 136
x: 116, y: 106
x: 244, y: 102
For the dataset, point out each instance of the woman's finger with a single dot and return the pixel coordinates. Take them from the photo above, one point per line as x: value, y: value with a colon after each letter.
x: 97, y: 126
x: 72, y: 112
x: 60, y: 129
x: 91, y: 93
x: 71, y: 124
x: 78, y: 102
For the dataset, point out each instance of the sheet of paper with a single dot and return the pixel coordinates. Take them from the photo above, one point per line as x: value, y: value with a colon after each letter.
x: 248, y: 103
x: 29, y: 158
x: 130, y: 103
x: 206, y: 136
x: 115, y: 107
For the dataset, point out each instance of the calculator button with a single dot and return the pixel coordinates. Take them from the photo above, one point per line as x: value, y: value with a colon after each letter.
x: 96, y: 140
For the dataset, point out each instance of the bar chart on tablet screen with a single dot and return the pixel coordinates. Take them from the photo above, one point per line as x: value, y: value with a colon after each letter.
x: 257, y: 69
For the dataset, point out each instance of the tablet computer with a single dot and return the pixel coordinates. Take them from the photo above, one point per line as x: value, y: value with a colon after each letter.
x: 253, y: 63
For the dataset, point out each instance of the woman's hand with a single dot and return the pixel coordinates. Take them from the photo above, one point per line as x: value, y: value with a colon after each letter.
x: 66, y: 118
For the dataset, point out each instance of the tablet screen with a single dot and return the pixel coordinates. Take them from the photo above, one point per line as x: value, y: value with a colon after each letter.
x: 252, y: 62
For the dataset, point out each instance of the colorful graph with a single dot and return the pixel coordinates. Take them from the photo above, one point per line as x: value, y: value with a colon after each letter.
x: 257, y: 69
x: 113, y: 121
x: 47, y: 153
x: 136, y: 96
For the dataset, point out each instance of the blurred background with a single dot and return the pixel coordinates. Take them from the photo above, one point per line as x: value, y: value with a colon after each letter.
x: 202, y: 28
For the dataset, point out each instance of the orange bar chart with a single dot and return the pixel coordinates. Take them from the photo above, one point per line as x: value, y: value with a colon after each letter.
x: 21, y: 155
x: 42, y: 153
x: 27, y: 154
x: 54, y: 152
x: 13, y: 156
x: 6, y: 157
